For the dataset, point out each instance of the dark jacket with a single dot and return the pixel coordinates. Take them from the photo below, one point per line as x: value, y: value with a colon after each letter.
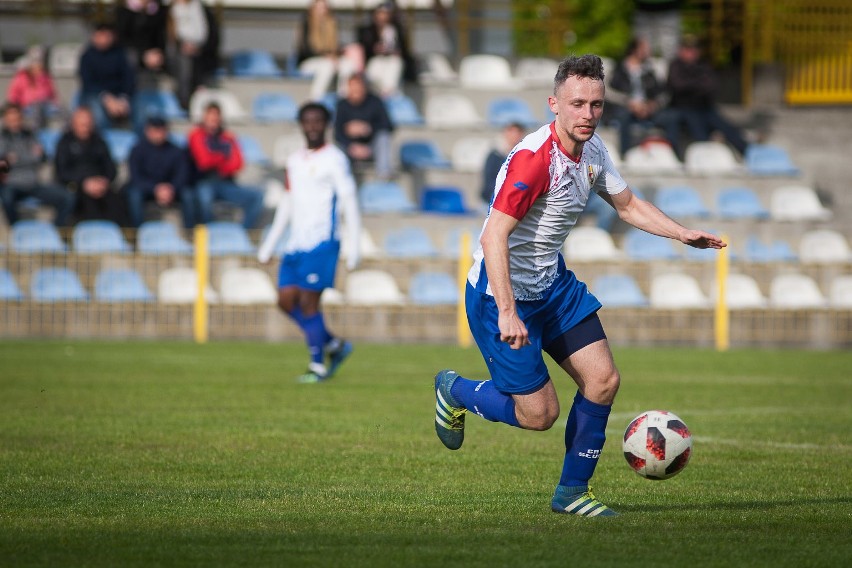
x: 490, y: 171
x: 622, y: 90
x: 368, y: 37
x: 106, y: 71
x: 141, y: 31
x: 371, y: 110
x: 77, y: 160
x: 24, y: 172
x: 150, y: 165
x: 692, y: 85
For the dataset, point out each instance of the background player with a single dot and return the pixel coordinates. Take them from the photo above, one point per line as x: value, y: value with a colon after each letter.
x: 319, y: 181
x: 521, y: 299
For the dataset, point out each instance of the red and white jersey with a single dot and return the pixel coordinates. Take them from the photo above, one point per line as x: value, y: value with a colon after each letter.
x: 546, y: 189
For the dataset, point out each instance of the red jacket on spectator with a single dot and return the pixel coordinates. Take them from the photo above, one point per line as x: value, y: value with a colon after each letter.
x: 25, y: 89
x: 219, y: 152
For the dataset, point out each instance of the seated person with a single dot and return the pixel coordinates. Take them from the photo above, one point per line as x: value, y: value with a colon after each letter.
x: 22, y: 156
x: 33, y: 90
x: 512, y: 134
x: 83, y: 165
x: 386, y: 51
x: 159, y: 172
x: 107, y: 78
x: 319, y: 52
x: 217, y: 160
x: 362, y: 127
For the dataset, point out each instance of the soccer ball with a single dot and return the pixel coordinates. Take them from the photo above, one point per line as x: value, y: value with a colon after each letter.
x: 657, y: 444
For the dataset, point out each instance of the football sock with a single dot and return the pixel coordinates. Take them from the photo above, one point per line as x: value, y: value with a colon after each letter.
x: 585, y: 434
x: 484, y: 399
x: 296, y: 315
x: 316, y: 335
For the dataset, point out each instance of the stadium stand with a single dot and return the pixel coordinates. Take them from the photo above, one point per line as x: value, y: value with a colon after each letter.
x: 9, y: 290
x: 372, y: 288
x: 449, y: 111
x: 470, y: 152
x: 179, y: 285
x: 680, y: 201
x: 795, y: 292
x: 741, y: 293
x: 656, y: 158
x: 676, y: 291
x: 228, y: 238
x: 403, y: 111
x: 49, y: 138
x: 740, y: 203
x: 52, y: 285
x: 252, y: 151
x: 840, y: 292
x: 705, y: 255
x: 437, y: 70
x: 120, y: 143
x: 536, y: 71
x: 711, y: 159
x: 442, y: 200
x: 121, y: 285
x: 590, y: 244
x: 232, y: 109
x: 161, y: 238
x: 254, y: 63
x: 156, y: 103
x: 824, y: 246
x: 642, y: 246
x: 384, y: 197
x: 63, y: 59
x: 246, y: 286
x: 409, y: 242
x: 433, y: 289
x: 797, y: 203
x: 274, y: 107
x: 285, y: 145
x: 99, y: 237
x: 484, y: 71
x: 369, y: 249
x: 506, y: 110
x: 769, y: 160
x: 31, y: 236
x: 422, y: 154
x: 619, y: 291
x: 777, y: 251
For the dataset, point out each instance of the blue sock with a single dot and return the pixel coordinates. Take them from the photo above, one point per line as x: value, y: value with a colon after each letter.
x: 316, y: 335
x: 484, y: 399
x: 296, y: 315
x: 585, y: 434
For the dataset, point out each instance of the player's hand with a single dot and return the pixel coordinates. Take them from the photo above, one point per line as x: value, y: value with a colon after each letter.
x: 702, y: 240
x: 512, y: 330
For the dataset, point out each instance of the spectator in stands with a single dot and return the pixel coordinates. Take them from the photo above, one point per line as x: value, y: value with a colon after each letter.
x: 159, y: 172
x: 23, y: 156
x: 217, y: 159
x: 141, y: 27
x: 692, y: 84
x: 32, y: 89
x: 659, y: 22
x: 386, y: 51
x: 84, y: 166
x: 193, y: 46
x: 362, y: 127
x: 107, y: 78
x: 319, y: 51
x: 638, y: 94
x: 512, y: 134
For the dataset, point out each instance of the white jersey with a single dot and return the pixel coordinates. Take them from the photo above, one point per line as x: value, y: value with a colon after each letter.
x: 546, y: 189
x: 319, y: 184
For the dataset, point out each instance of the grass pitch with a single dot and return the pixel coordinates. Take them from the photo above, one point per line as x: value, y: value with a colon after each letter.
x: 172, y: 454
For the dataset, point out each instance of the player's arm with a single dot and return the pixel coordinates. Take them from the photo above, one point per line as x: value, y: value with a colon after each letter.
x: 345, y: 188
x: 279, y: 223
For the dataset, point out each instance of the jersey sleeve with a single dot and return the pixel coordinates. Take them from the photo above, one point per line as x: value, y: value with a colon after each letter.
x: 609, y: 180
x: 521, y: 181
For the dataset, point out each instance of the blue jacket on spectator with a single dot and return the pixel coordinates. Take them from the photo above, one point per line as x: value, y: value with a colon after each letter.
x: 150, y: 165
x: 106, y: 71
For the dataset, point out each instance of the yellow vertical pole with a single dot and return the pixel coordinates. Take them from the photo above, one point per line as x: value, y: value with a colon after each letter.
x: 202, y: 270
x: 462, y: 329
x: 722, y: 320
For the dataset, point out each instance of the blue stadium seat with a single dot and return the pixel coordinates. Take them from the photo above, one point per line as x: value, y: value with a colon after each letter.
x: 508, y: 110
x: 120, y: 143
x: 179, y: 139
x: 151, y: 102
x: 9, y: 291
x: 98, y: 237
x: 329, y: 101
x: 274, y: 107
x: 35, y: 237
x: 403, y: 111
x: 252, y: 151
x: 446, y: 200
x: 281, y: 245
x: 759, y: 252
x: 433, y: 289
x: 161, y: 238
x: 680, y: 201
x: 739, y: 203
x: 49, y: 138
x: 767, y: 160
x: 384, y: 197
x: 639, y: 245
x: 409, y: 242
x: 422, y: 154
x: 254, y: 63
x: 619, y: 291
x: 121, y: 285
x: 227, y: 237
x: 57, y: 285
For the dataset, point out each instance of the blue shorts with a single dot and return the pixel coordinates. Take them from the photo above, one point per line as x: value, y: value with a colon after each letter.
x: 310, y: 270
x: 522, y: 371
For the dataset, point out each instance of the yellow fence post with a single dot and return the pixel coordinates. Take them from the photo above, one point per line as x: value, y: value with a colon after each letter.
x: 202, y: 270
x: 462, y: 329
x: 722, y: 321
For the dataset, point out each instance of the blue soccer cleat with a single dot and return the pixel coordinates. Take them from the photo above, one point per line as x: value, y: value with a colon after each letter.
x: 449, y: 414
x: 579, y: 501
x: 337, y: 356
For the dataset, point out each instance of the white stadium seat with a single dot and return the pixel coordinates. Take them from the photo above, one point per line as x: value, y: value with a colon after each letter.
x: 232, y: 110
x: 63, y: 59
x: 438, y: 70
x: 824, y: 246
x: 536, y: 71
x: 741, y: 293
x: 451, y: 110
x: 795, y: 291
x: 840, y: 293
x: 246, y: 286
x: 178, y: 286
x: 372, y: 288
x: 652, y: 158
x: 677, y: 292
x: 469, y: 153
x: 797, y: 203
x: 486, y: 71
x: 590, y: 244
x: 710, y: 159
x: 368, y: 247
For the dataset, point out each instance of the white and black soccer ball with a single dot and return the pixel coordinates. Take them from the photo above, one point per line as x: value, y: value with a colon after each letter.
x: 657, y: 444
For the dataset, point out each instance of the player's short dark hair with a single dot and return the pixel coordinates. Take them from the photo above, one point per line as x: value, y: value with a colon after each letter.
x: 308, y: 107
x: 213, y: 105
x: 587, y: 66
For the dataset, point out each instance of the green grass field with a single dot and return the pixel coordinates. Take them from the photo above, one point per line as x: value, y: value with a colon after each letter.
x: 172, y: 454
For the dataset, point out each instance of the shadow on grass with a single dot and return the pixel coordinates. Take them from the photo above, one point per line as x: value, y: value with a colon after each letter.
x: 734, y: 505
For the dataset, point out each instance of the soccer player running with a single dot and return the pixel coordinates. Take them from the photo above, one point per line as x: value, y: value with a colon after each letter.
x: 319, y: 183
x: 522, y: 300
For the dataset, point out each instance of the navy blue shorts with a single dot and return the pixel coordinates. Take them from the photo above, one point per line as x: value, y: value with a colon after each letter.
x: 561, y: 323
x: 310, y: 270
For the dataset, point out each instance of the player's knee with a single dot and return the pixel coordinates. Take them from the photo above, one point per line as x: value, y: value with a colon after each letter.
x: 608, y: 386
x: 541, y: 420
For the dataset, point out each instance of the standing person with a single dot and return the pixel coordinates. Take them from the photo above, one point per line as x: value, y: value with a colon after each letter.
x: 193, y: 45
x: 141, y: 26
x: 522, y: 300
x: 319, y: 51
x: 318, y: 178
x: 33, y: 90
x: 512, y: 135
x: 362, y: 127
x: 107, y: 79
x: 217, y: 159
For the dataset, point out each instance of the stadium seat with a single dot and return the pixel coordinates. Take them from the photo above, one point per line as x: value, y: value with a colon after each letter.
x: 63, y: 59
x: 536, y: 71
x: 163, y: 104
x: 280, y: 246
x: 840, y: 292
x: 179, y: 285
x: 329, y: 101
x: 284, y: 146
x: 505, y: 111
x: 120, y: 143
x: 409, y: 242
x: 710, y: 159
x: 368, y: 247
x: 49, y: 138
x: 57, y: 285
x: 680, y: 201
x: 227, y: 237
x: 652, y: 158
x: 485, y: 71
x: 824, y: 246
x: 9, y: 291
x: 403, y: 111
x: 121, y: 285
x: 35, y: 237
x: 161, y: 238
x: 433, y: 289
x: 372, y: 288
x: 252, y: 151
x: 590, y: 244
x: 642, y: 246
x: 246, y: 286
x: 437, y: 70
x: 254, y: 63
x: 739, y: 203
x: 677, y: 292
x: 453, y: 241
x: 179, y: 139
x: 618, y: 291
x: 232, y: 110
x: 423, y: 155
x: 706, y: 255
x: 470, y: 152
x: 759, y: 252
x: 451, y: 111
x: 444, y: 200
x: 767, y: 160
x: 332, y: 297
x: 660, y: 65
x: 274, y: 107
x: 797, y: 203
x: 384, y: 197
x: 741, y: 293
x: 795, y: 291
x: 99, y: 237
